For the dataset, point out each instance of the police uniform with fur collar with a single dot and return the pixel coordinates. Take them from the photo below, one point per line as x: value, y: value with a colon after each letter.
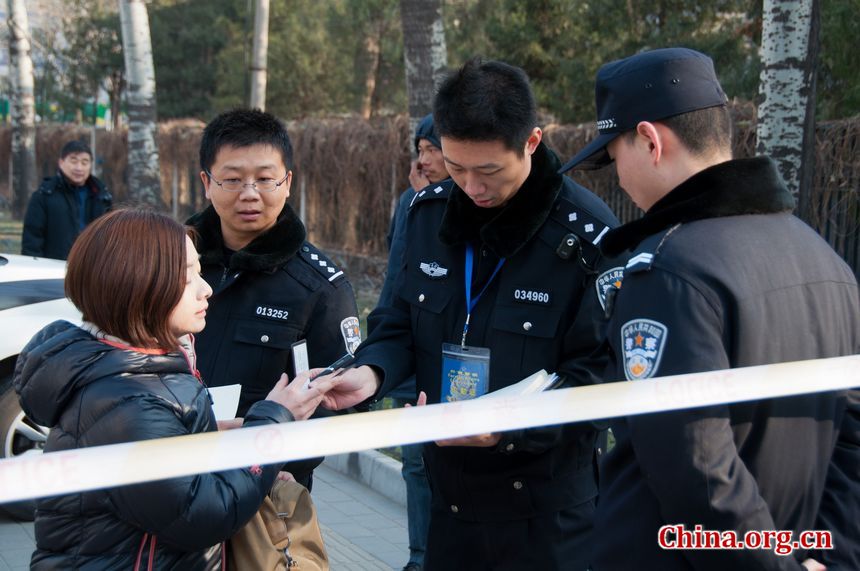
x: 275, y: 291
x: 540, y: 312
x: 721, y: 275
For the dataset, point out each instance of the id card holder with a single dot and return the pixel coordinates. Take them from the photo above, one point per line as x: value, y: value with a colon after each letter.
x: 465, y: 372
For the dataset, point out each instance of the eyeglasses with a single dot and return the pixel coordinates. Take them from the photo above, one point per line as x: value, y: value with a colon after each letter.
x: 236, y: 185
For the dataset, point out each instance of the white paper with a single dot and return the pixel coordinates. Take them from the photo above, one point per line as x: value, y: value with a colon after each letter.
x: 225, y: 401
x: 536, y: 383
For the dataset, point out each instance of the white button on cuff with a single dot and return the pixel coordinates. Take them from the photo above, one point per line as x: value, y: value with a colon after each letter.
x: 527, y: 325
x: 421, y: 297
x: 264, y: 338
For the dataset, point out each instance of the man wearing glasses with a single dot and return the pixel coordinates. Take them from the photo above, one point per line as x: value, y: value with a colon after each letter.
x: 271, y: 287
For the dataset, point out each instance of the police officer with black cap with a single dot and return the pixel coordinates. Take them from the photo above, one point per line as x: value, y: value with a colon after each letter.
x: 498, y: 282
x: 720, y: 274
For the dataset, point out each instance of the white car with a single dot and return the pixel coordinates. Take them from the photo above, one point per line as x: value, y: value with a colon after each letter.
x: 31, y: 296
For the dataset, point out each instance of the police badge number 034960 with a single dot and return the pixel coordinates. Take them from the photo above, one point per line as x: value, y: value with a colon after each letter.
x: 465, y: 369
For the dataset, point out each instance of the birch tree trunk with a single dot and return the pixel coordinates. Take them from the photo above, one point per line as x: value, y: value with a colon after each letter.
x: 259, y: 55
x: 22, y: 107
x: 144, y: 181
x: 373, y: 49
x: 424, y: 53
x: 786, y: 114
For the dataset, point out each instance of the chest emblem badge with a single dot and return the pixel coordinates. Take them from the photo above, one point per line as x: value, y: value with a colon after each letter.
x: 434, y: 270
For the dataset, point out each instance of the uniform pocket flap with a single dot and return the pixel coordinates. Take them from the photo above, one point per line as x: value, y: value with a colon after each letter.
x: 265, y: 335
x: 530, y: 320
x: 429, y: 296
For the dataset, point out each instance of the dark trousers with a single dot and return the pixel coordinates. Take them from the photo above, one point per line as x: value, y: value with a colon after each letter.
x: 557, y: 541
x: 417, y: 496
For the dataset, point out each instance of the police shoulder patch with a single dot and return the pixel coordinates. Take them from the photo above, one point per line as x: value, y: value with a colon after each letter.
x: 608, y: 280
x: 351, y: 332
x: 321, y: 263
x: 642, y: 343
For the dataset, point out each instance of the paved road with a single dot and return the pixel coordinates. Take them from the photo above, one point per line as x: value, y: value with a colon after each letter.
x: 363, y: 530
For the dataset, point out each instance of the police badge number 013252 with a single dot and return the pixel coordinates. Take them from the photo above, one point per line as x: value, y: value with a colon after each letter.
x: 643, y: 342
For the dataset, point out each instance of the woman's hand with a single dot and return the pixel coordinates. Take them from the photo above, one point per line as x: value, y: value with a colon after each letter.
x: 230, y: 424
x: 300, y: 397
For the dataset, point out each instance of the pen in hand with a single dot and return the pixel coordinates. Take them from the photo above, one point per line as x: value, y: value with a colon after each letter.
x: 338, y: 366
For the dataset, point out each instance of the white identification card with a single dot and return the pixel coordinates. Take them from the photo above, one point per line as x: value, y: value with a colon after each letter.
x: 300, y: 358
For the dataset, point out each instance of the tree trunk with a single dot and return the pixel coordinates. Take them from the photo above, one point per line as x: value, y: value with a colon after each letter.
x: 22, y: 107
x: 116, y: 86
x: 258, y: 58
x: 144, y: 181
x: 786, y: 114
x: 373, y: 51
x: 424, y: 54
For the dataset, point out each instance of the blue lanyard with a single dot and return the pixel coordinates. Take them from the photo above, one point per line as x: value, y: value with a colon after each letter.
x: 471, y: 303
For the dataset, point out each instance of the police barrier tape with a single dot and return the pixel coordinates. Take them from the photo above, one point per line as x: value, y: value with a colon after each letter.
x: 32, y: 476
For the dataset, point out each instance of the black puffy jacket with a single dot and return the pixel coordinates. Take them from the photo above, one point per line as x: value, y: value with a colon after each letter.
x: 52, y: 224
x: 92, y: 394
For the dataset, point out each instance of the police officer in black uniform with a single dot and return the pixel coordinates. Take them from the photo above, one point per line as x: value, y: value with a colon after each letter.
x: 519, y: 241
x: 271, y: 286
x: 719, y: 275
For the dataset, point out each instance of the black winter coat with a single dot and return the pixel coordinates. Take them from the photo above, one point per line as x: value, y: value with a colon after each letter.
x: 51, y: 224
x: 92, y: 394
x: 540, y: 312
x: 277, y: 290
x: 721, y: 275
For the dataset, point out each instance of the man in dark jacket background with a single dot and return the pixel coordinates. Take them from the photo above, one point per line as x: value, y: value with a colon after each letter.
x: 522, y: 499
x: 271, y: 287
x: 64, y: 204
x: 720, y: 275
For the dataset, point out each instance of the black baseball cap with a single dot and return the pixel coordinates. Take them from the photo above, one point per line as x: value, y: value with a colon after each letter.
x: 649, y: 86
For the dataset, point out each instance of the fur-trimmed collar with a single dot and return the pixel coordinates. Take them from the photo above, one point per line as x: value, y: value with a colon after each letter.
x: 507, y: 229
x: 741, y: 186
x: 269, y: 250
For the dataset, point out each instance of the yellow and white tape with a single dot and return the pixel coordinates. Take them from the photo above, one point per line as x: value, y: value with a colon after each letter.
x: 33, y: 476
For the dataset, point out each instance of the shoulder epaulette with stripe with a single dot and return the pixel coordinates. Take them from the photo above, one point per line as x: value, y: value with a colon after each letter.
x: 579, y: 221
x: 643, y: 257
x: 433, y: 191
x: 321, y: 263
x: 639, y: 262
